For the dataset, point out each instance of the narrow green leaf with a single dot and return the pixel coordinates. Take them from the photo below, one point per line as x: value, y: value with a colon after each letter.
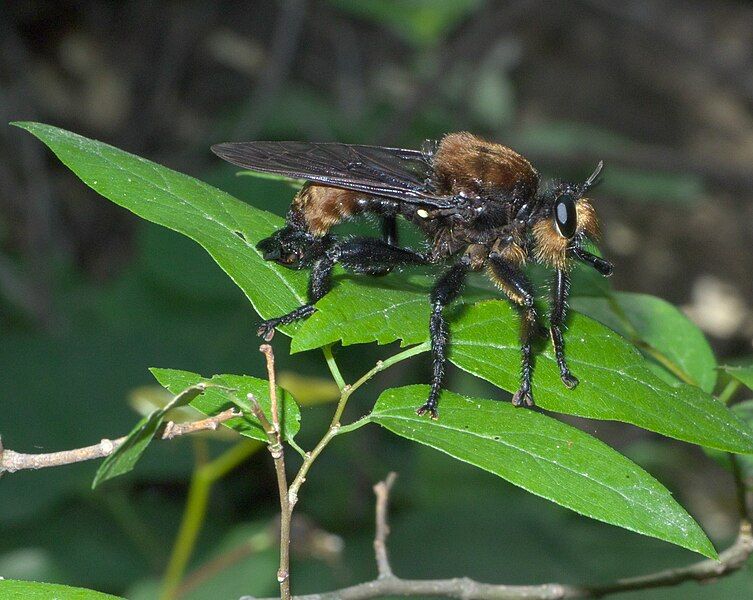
x: 659, y: 330
x: 225, y: 391
x: 125, y: 457
x: 743, y: 373
x: 31, y: 590
x: 226, y: 227
x: 615, y: 383
x: 546, y: 457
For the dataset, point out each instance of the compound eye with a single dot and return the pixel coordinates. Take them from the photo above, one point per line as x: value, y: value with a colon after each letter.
x: 565, y: 216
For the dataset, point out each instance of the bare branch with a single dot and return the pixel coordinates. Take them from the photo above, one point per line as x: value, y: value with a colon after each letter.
x: 729, y: 561
x: 11, y: 461
x: 266, y: 350
x: 382, y: 492
x: 278, y: 455
x: 173, y: 430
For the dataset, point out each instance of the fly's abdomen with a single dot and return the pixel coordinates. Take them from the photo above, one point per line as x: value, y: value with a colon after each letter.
x: 322, y: 207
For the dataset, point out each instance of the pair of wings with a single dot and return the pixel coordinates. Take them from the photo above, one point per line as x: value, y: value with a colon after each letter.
x: 405, y: 175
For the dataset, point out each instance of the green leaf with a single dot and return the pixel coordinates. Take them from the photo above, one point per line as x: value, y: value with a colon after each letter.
x: 226, y: 227
x: 743, y: 373
x: 545, y: 457
x: 230, y: 390
x: 361, y: 310
x: 615, y: 382
x: 125, y: 457
x: 31, y: 590
x: 660, y: 331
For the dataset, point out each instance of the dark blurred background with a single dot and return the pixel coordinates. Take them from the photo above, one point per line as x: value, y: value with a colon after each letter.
x: 90, y: 296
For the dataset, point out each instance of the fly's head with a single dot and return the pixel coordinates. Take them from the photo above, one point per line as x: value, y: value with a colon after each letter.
x: 562, y: 222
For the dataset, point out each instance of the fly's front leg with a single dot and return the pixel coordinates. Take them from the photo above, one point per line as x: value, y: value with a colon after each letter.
x: 561, y: 288
x: 445, y: 291
x: 519, y: 289
x: 320, y: 282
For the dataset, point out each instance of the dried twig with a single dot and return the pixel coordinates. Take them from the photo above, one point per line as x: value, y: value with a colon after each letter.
x: 382, y: 492
x: 173, y: 429
x: 269, y: 355
x: 11, y: 461
x: 278, y: 455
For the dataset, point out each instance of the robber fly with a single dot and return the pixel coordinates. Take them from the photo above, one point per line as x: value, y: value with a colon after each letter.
x: 480, y: 204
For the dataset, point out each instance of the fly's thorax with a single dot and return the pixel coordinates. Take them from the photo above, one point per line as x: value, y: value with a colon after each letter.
x: 465, y: 163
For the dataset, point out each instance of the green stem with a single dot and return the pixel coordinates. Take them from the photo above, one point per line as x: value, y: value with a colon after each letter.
x: 335, y: 428
x: 729, y: 391
x: 294, y: 445
x: 195, y: 511
x: 333, y: 368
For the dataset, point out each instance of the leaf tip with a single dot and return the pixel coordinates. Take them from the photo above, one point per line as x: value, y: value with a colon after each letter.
x: 27, y: 125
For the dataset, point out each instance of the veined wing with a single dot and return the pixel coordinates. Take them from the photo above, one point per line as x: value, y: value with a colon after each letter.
x: 391, y: 172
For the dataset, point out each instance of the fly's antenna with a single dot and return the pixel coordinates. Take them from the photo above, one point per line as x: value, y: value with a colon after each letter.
x: 593, y: 178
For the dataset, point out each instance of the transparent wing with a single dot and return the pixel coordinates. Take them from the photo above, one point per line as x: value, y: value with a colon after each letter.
x: 392, y: 172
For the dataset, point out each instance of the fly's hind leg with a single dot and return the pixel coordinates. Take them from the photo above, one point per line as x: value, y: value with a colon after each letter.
x: 359, y: 255
x: 320, y: 283
x: 560, y: 290
x: 389, y: 230
x: 520, y: 291
x: 445, y: 291
x: 374, y: 257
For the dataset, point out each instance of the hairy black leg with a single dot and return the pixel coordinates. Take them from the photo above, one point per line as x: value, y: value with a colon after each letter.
x: 602, y: 266
x: 375, y: 257
x: 360, y: 255
x: 445, y: 291
x: 389, y: 236
x: 389, y: 230
x: 320, y: 282
x: 520, y: 290
x: 560, y: 290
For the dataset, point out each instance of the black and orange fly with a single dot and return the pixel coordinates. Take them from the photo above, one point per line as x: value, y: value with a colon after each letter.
x: 480, y: 204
